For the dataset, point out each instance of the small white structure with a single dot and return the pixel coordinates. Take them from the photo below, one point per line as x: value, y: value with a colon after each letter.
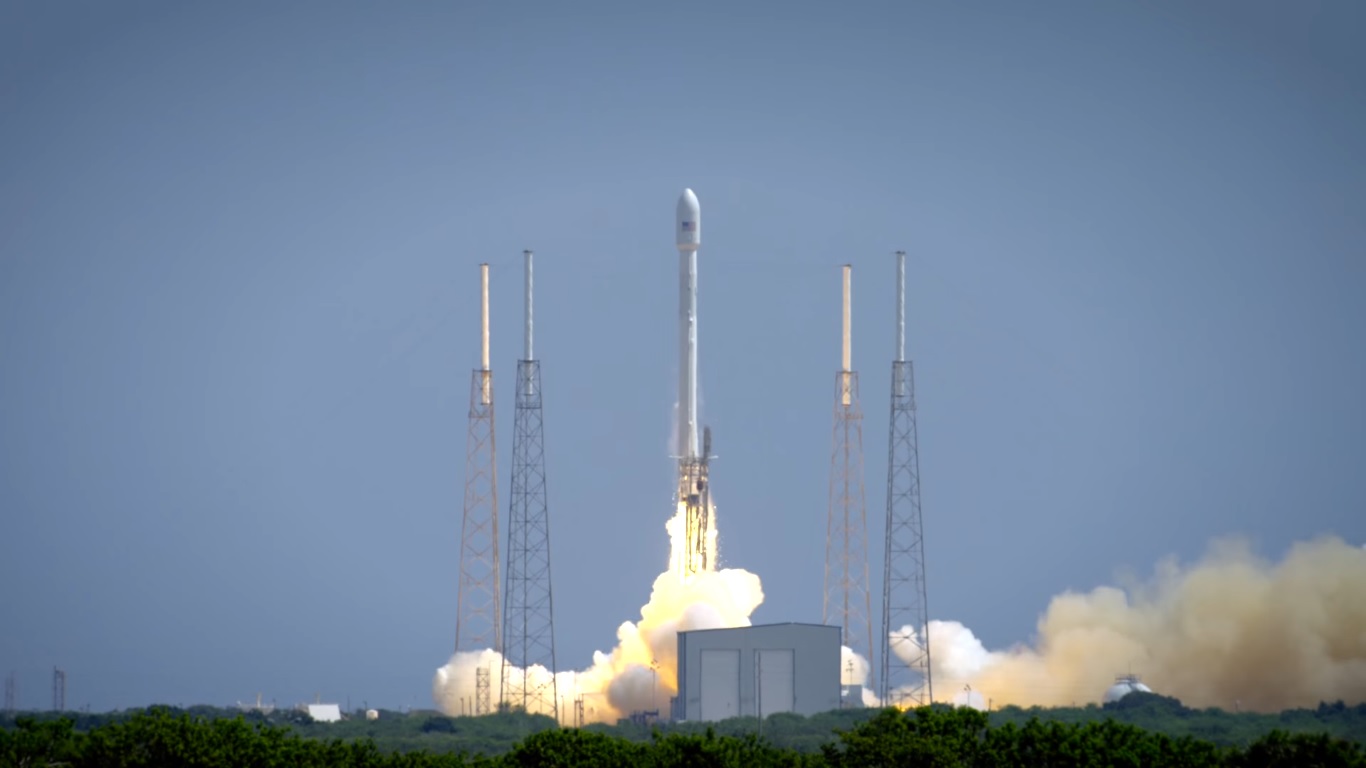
x: 1124, y: 685
x: 324, y: 713
x: 372, y: 714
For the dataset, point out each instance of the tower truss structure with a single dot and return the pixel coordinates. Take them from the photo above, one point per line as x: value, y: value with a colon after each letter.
x: 58, y: 690
x: 846, y: 599
x: 483, y: 704
x: 478, y: 616
x: 905, y: 651
x: 529, y: 619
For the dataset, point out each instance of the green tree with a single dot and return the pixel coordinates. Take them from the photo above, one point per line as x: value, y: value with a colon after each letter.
x: 34, y: 743
x: 928, y: 736
x: 1279, y: 749
x: 574, y: 747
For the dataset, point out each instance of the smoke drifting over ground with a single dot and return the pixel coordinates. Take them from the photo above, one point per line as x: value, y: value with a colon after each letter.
x: 640, y: 672
x: 1229, y: 631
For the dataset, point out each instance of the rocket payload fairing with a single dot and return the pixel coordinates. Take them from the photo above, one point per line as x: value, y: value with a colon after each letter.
x: 693, y: 454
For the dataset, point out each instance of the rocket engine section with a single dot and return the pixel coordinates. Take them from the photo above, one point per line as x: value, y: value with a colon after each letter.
x: 694, y: 492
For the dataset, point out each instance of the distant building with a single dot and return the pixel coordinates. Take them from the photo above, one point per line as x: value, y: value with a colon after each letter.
x: 757, y: 670
x: 264, y: 709
x: 324, y: 713
x: 1125, y: 685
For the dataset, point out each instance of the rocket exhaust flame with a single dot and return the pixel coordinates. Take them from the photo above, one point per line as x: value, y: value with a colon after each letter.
x: 640, y: 673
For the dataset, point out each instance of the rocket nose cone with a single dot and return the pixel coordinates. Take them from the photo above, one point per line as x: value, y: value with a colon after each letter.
x: 687, y: 202
x: 689, y: 221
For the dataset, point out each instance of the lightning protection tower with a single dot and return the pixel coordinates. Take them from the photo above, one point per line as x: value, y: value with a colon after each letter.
x: 11, y: 693
x: 58, y: 690
x: 905, y: 672
x: 847, y: 600
x: 477, y: 624
x: 529, y: 622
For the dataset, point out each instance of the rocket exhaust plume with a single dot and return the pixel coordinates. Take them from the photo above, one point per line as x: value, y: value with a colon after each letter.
x: 1231, y: 631
x: 640, y: 673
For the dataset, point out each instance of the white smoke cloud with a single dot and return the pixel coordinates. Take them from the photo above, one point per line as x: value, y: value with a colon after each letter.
x: 640, y: 673
x: 855, y: 670
x: 1231, y: 628
x: 970, y: 698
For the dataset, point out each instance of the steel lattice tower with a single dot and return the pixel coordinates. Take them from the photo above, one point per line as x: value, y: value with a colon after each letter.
x: 11, y: 693
x: 478, y: 615
x: 482, y: 704
x: 58, y: 690
x: 904, y: 602
x: 529, y: 622
x: 846, y: 545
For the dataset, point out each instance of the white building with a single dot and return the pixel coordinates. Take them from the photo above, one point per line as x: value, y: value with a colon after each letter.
x: 765, y: 669
x: 324, y: 713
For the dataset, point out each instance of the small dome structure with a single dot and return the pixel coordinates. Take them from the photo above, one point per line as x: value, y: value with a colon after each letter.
x: 371, y: 714
x: 1124, y: 685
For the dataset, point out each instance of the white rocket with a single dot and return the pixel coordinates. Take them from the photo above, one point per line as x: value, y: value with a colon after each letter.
x: 693, y: 491
x: 688, y: 230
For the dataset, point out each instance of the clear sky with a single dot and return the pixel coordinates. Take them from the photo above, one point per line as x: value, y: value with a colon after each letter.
x: 239, y: 305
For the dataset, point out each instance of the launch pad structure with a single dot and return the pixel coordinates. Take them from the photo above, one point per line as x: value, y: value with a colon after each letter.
x: 528, y: 621
x: 517, y: 621
x: 478, y: 609
x: 904, y: 594
x: 846, y: 600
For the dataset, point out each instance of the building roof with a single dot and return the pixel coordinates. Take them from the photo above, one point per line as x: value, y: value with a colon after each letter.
x: 760, y: 626
x: 1124, y: 686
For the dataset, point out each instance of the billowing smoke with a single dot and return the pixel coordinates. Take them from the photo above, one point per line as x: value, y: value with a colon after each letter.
x: 640, y: 673
x: 1230, y: 631
x: 854, y: 670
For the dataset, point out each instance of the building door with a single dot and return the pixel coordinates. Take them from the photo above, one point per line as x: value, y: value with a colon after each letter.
x: 720, y: 683
x: 777, y: 671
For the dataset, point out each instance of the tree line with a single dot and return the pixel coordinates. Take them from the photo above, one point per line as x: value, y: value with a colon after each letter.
x: 929, y: 736
x: 496, y: 734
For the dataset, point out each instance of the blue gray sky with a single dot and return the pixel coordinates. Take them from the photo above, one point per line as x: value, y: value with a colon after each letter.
x: 239, y: 305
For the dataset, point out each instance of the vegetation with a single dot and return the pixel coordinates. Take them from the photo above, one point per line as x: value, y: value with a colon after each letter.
x: 1168, y: 716
x: 930, y: 736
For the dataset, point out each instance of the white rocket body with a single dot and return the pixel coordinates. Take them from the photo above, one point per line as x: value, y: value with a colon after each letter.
x: 693, y: 488
x: 688, y: 231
